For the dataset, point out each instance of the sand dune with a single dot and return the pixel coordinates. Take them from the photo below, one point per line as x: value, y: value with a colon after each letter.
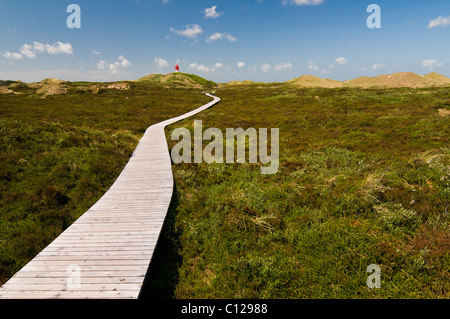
x: 401, y: 79
x: 314, y: 81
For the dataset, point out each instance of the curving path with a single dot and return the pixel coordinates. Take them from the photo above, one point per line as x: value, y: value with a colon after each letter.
x: 107, y: 251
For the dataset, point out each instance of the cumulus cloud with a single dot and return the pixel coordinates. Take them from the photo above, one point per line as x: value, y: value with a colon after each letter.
x: 30, y: 50
x: 191, y: 31
x: 57, y: 48
x: 303, y: 2
x: 378, y: 66
x: 161, y: 63
x: 240, y: 64
x: 102, y: 65
x: 212, y: 13
x: 205, y: 69
x: 199, y: 67
x: 341, y: 60
x: 218, y: 36
x: 114, y: 67
x: 312, y: 66
x: 265, y: 67
x: 124, y: 62
x: 439, y: 21
x: 282, y: 66
x: 431, y: 63
x: 12, y: 56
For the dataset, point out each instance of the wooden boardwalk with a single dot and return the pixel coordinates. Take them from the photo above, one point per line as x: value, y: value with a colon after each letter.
x: 107, y: 251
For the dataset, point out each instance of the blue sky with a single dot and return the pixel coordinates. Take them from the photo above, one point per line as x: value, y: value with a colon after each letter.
x: 222, y: 40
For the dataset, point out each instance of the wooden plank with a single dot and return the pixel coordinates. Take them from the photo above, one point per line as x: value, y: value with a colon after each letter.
x: 112, y: 244
x: 27, y: 294
x: 57, y: 286
x: 111, y: 268
x: 123, y: 277
x: 40, y: 276
x: 64, y: 265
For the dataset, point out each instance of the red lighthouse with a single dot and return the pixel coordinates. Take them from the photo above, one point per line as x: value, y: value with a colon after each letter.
x: 177, y: 68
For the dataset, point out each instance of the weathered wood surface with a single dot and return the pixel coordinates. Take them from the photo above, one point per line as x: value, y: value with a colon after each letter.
x: 107, y: 251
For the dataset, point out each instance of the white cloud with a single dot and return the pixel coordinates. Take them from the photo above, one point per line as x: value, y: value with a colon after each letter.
x: 212, y: 13
x: 253, y: 68
x: 161, y: 63
x: 30, y: 50
x: 312, y: 66
x: 205, y: 69
x: 265, y: 67
x: 440, y: 21
x: 96, y: 52
x: 13, y: 56
x: 37, y: 46
x: 282, y: 66
x: 59, y: 48
x: 199, y: 68
x: 191, y: 31
x: 377, y: 66
x: 431, y: 63
x: 214, y: 37
x: 101, y: 65
x: 303, y: 2
x: 240, y: 64
x: 114, y: 67
x: 123, y: 62
x: 341, y: 60
x: 218, y: 36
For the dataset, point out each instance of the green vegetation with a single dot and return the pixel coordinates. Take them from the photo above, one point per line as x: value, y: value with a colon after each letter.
x: 200, y: 80
x: 60, y: 154
x: 364, y: 179
x: 178, y: 80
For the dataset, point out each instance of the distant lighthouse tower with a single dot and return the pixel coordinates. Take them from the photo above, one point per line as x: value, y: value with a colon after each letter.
x: 177, y: 68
